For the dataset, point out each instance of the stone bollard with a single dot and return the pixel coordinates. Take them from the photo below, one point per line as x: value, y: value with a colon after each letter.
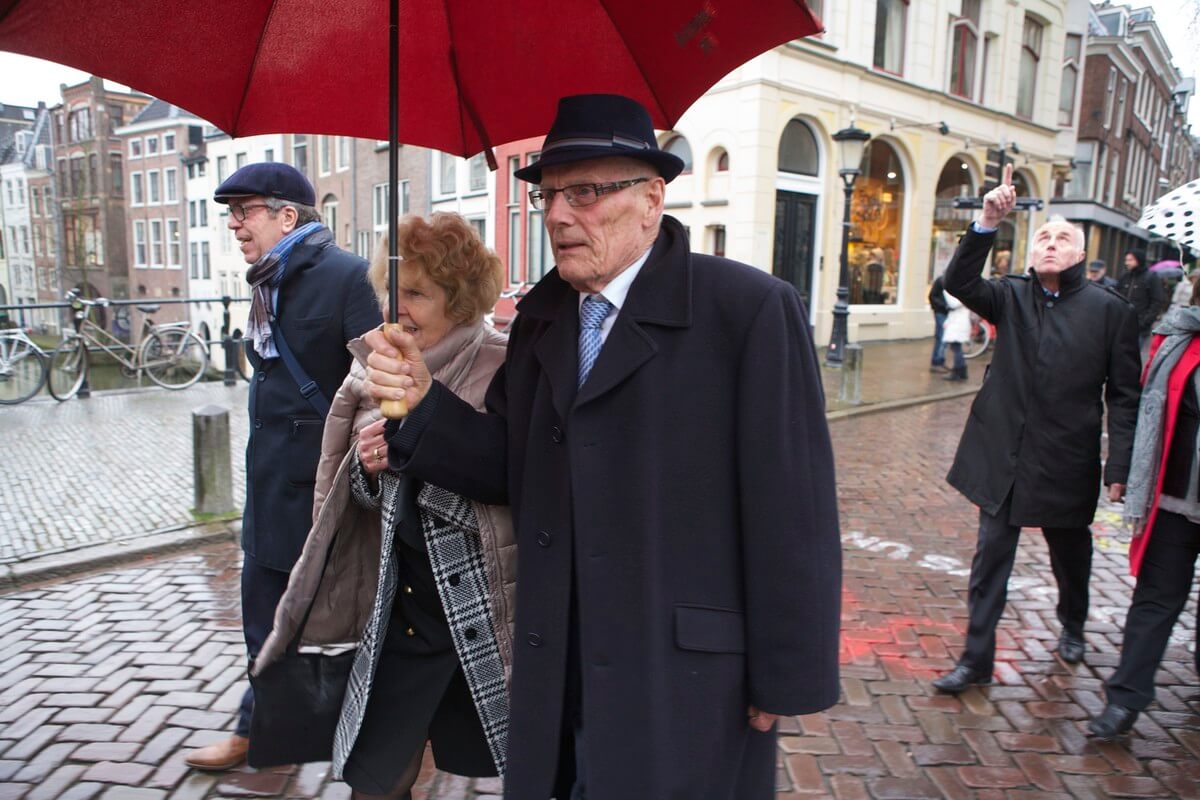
x: 212, y: 467
x: 852, y: 367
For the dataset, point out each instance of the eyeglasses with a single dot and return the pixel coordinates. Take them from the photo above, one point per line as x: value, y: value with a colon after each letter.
x: 581, y: 194
x: 239, y: 211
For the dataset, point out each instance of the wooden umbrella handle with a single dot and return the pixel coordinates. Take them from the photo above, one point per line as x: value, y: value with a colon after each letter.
x: 393, y: 409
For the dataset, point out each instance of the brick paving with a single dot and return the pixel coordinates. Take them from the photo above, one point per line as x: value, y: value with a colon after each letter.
x: 106, y: 679
x: 109, y: 468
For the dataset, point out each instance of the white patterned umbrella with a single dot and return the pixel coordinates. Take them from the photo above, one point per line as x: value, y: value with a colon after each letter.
x: 1176, y: 215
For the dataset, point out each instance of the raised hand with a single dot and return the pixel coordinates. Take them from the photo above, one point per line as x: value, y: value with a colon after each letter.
x: 999, y: 201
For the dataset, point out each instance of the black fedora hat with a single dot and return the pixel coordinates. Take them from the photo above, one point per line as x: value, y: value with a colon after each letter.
x: 591, y: 126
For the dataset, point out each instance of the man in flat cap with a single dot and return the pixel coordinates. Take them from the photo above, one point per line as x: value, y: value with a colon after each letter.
x: 309, y: 299
x: 659, y: 431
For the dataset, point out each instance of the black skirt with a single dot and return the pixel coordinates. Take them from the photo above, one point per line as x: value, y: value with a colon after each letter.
x: 419, y: 692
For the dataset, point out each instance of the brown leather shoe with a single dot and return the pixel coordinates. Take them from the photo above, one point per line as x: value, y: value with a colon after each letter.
x: 225, y: 754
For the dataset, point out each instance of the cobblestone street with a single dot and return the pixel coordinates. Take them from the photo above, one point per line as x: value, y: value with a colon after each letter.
x: 109, y: 468
x: 106, y: 679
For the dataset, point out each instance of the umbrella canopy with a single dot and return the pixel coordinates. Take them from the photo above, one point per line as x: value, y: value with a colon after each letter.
x: 1164, y: 266
x: 471, y: 74
x: 1176, y: 215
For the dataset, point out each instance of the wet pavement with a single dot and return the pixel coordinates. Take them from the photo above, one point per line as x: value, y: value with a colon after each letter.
x: 107, y: 678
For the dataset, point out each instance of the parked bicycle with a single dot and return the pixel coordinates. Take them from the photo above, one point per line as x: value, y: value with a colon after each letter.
x: 168, y: 353
x: 22, y: 367
x: 983, y: 336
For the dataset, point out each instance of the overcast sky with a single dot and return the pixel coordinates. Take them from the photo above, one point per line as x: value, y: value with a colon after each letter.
x: 25, y: 81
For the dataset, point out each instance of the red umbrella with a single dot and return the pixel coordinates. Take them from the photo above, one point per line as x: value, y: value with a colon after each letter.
x: 463, y: 75
x: 472, y: 74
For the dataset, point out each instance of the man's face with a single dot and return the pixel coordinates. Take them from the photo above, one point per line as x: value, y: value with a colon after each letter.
x: 261, y: 229
x: 1130, y: 261
x: 1095, y: 274
x: 593, y: 244
x: 1056, y: 248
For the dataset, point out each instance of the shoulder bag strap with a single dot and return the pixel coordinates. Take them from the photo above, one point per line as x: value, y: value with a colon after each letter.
x: 308, y: 387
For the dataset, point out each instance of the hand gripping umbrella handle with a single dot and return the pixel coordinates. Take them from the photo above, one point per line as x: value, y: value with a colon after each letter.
x: 393, y: 409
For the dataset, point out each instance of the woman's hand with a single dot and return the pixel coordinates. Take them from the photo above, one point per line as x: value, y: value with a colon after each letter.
x: 372, y: 448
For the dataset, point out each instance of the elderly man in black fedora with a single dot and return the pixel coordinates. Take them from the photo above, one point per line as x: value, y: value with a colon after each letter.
x: 309, y: 299
x: 659, y: 431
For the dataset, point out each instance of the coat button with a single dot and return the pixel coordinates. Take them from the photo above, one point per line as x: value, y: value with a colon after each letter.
x: 408, y: 590
x: 257, y: 424
x: 454, y: 579
x: 262, y: 376
x: 410, y: 632
x: 534, y: 640
x: 470, y: 633
x: 543, y: 538
x: 1049, y: 304
x: 556, y: 434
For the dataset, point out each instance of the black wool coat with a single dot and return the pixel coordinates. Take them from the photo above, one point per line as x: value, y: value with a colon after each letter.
x: 685, y: 495
x: 1034, y: 428
x: 324, y: 301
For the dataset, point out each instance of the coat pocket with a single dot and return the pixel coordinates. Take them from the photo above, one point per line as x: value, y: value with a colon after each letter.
x: 304, y: 450
x: 710, y: 630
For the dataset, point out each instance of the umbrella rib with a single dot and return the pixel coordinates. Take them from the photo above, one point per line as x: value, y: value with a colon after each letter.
x: 641, y: 71
x: 237, y: 120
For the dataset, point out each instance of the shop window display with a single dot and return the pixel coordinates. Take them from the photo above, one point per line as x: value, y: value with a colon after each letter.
x: 876, y: 219
x: 949, y: 223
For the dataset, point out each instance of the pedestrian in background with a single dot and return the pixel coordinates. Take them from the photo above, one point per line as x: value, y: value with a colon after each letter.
x: 1162, y: 504
x: 937, y: 304
x: 396, y: 534
x: 1030, y: 451
x: 659, y: 429
x: 1098, y: 273
x: 309, y: 299
x: 956, y: 334
x: 1182, y: 296
x: 1144, y: 291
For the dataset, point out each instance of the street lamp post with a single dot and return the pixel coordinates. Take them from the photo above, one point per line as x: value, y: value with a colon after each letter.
x: 851, y: 143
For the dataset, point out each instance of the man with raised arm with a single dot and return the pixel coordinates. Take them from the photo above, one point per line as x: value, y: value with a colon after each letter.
x: 1030, y: 453
x: 658, y: 428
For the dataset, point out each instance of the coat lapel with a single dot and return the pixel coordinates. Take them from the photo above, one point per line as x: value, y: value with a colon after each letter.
x: 557, y: 350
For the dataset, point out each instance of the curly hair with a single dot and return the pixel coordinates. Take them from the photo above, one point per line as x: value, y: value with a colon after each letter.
x: 448, y: 249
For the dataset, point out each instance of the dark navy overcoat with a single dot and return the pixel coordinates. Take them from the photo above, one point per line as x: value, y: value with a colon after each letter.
x: 688, y: 490
x: 324, y: 301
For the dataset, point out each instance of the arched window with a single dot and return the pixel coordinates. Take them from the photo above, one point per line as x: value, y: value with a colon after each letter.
x: 721, y: 160
x: 678, y: 146
x: 949, y: 222
x: 876, y: 219
x: 798, y: 150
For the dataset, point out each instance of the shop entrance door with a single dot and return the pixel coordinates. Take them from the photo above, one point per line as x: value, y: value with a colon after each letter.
x: 795, y: 228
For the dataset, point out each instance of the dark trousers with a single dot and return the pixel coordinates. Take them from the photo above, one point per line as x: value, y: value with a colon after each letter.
x: 960, y: 361
x: 1163, y: 585
x: 938, y: 357
x: 987, y: 588
x: 261, y: 589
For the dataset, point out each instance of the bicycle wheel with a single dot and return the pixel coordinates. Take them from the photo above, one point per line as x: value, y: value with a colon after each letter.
x: 174, y: 358
x: 22, y: 371
x: 981, y: 338
x: 68, y: 368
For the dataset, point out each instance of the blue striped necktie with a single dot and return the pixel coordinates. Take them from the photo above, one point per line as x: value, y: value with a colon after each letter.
x: 592, y: 314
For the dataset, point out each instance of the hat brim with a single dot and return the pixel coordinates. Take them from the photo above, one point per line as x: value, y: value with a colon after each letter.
x: 668, y: 165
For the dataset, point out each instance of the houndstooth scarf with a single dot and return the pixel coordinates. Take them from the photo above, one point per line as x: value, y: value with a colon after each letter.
x: 264, y: 276
x: 1178, y: 326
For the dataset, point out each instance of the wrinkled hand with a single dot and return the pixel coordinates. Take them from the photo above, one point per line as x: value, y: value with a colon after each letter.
x: 761, y: 720
x: 999, y: 201
x: 395, y: 369
x: 1116, y: 492
x: 372, y: 448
